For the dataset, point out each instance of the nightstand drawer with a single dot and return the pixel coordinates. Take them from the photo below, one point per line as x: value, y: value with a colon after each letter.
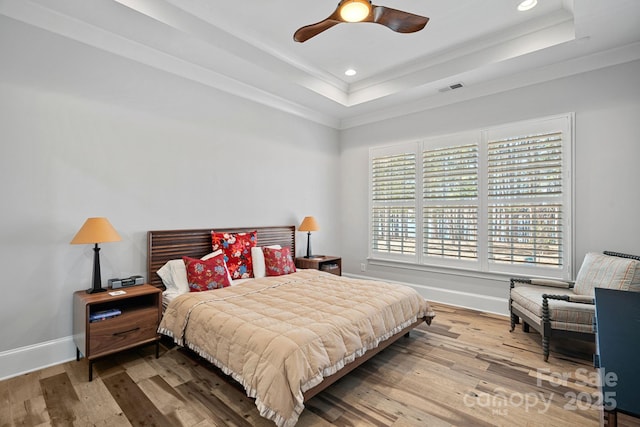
x: 128, y: 329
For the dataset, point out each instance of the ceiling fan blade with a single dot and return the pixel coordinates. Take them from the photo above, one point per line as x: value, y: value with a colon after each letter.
x: 305, y: 33
x: 398, y: 20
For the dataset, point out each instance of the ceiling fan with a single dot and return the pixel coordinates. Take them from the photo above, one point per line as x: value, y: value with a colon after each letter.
x: 364, y: 11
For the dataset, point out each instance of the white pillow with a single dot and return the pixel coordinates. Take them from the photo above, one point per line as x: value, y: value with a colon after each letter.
x: 257, y: 258
x: 174, y: 274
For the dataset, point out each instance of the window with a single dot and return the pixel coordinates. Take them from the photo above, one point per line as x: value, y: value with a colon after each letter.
x: 494, y: 200
x: 393, y: 194
x: 525, y: 200
x: 450, y: 202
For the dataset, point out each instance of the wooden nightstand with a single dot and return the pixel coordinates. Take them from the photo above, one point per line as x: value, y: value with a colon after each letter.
x: 330, y: 264
x: 140, y: 307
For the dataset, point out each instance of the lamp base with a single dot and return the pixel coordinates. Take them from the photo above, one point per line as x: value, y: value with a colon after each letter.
x: 308, y: 255
x: 96, y: 280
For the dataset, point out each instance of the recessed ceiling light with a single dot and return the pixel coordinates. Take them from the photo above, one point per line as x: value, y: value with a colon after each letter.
x: 350, y: 72
x: 527, y: 4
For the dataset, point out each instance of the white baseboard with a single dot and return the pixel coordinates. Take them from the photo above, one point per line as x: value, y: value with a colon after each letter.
x: 478, y: 302
x: 37, y: 356
x: 31, y: 358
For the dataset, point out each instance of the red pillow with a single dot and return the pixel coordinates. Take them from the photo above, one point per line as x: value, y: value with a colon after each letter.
x: 278, y: 262
x: 236, y: 248
x: 205, y: 275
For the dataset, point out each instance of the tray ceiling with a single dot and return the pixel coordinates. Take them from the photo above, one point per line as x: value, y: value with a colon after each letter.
x: 247, y: 49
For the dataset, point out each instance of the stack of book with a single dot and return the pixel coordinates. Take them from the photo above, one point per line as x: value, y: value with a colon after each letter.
x: 104, y: 314
x: 328, y: 267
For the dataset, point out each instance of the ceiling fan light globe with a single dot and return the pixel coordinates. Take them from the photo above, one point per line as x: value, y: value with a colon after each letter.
x: 355, y: 10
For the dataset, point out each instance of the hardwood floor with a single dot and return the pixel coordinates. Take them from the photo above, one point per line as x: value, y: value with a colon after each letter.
x: 466, y: 369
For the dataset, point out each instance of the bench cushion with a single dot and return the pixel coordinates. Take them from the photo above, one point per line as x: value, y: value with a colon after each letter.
x: 562, y: 314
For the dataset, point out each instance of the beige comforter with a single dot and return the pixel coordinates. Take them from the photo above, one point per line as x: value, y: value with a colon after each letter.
x: 280, y: 336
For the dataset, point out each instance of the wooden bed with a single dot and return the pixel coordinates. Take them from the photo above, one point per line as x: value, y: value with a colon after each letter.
x: 173, y: 244
x: 166, y: 245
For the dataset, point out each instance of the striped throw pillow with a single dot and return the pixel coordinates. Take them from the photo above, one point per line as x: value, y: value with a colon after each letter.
x: 604, y: 271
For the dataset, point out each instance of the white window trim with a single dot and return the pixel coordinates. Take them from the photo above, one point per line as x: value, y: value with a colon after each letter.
x: 483, y: 266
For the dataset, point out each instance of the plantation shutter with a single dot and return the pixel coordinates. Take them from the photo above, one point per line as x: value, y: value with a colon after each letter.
x: 525, y: 195
x: 393, y: 191
x: 450, y: 202
x: 494, y: 200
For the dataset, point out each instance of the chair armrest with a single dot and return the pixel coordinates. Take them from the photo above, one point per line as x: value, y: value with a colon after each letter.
x: 582, y: 299
x: 552, y: 283
x: 542, y: 282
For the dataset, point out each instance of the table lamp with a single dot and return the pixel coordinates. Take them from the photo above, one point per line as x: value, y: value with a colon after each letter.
x: 309, y: 224
x: 96, y: 230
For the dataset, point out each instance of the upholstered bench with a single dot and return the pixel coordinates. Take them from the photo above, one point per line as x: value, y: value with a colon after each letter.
x: 557, y: 308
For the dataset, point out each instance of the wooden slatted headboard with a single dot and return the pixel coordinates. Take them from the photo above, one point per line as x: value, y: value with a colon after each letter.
x: 165, y: 245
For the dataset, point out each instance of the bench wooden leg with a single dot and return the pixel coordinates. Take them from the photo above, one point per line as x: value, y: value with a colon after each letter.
x: 545, y: 348
x: 610, y: 418
x: 514, y: 320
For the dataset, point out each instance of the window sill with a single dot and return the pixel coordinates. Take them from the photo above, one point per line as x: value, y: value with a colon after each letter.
x: 452, y: 271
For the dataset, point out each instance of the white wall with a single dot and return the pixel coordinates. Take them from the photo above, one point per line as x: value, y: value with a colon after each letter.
x: 607, y: 205
x: 85, y: 133
x: 104, y: 137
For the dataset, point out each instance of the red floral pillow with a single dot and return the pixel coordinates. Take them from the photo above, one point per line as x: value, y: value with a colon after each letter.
x: 278, y: 262
x: 205, y: 275
x: 236, y: 248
